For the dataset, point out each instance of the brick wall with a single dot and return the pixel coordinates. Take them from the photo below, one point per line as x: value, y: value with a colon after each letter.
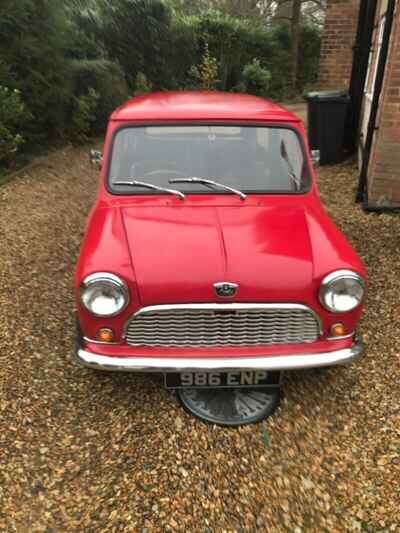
x: 337, y: 44
x: 384, y: 168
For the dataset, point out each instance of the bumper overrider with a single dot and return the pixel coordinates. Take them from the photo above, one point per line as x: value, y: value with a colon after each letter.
x: 294, y: 361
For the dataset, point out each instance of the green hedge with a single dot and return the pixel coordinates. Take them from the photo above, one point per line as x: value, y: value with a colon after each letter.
x: 73, y: 62
x: 170, y: 46
x: 107, y: 79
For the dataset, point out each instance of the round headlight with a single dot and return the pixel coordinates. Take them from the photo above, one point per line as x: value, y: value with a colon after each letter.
x: 342, y: 291
x: 104, y: 294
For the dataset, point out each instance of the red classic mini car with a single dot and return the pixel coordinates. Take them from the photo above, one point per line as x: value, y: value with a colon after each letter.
x: 208, y: 256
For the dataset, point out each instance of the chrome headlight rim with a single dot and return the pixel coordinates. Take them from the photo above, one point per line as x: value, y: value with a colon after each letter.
x: 332, y: 278
x: 105, y: 277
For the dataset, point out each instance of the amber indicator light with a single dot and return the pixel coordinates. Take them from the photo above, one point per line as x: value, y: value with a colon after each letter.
x: 338, y: 330
x: 105, y: 335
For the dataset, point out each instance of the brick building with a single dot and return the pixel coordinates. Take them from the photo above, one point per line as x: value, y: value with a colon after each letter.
x: 361, y: 52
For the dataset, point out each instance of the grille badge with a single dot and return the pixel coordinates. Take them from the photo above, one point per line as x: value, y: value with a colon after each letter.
x: 226, y: 289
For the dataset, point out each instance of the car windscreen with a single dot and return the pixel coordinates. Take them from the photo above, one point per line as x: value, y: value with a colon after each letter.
x: 253, y: 159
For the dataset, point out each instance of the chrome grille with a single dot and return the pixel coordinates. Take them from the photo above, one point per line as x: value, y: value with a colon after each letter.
x: 207, y: 325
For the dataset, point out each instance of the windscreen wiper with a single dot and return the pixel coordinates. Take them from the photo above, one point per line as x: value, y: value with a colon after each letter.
x: 136, y: 183
x: 211, y: 183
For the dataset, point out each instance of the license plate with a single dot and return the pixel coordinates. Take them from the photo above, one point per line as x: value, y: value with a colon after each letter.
x: 221, y: 380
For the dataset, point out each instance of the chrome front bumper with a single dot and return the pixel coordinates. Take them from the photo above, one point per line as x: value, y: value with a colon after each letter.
x: 281, y: 362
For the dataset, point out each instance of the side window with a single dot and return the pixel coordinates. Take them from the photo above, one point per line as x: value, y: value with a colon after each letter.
x: 293, y: 150
x: 282, y: 156
x: 124, y: 153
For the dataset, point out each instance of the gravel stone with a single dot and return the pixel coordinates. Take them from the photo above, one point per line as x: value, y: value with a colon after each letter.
x: 96, y: 452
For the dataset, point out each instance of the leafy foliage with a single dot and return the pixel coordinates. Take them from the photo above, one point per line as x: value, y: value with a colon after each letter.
x: 136, y: 33
x: 206, y: 75
x: 13, y: 118
x: 73, y: 61
x: 142, y: 86
x: 255, y: 79
x: 84, y: 115
x: 234, y: 43
x: 310, y: 44
x: 31, y: 44
x: 83, y: 38
x: 107, y: 79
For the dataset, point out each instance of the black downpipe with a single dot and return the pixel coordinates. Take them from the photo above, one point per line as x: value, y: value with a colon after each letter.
x: 362, y: 46
x: 362, y: 192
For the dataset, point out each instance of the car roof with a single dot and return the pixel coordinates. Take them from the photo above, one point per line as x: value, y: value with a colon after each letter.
x: 201, y: 105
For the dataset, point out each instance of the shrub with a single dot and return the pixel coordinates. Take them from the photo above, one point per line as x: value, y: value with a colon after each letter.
x: 142, y: 86
x: 309, y: 52
x: 205, y: 76
x: 5, y: 75
x: 234, y: 42
x: 226, y: 38
x: 256, y: 79
x: 137, y: 33
x: 32, y: 46
x: 183, y: 52
x: 107, y: 79
x: 13, y: 118
x: 279, y: 61
x: 84, y: 116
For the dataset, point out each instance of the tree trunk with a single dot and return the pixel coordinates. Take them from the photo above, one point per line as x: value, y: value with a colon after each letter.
x: 295, y: 34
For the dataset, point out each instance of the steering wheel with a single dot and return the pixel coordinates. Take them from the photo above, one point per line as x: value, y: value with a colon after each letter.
x: 165, y: 171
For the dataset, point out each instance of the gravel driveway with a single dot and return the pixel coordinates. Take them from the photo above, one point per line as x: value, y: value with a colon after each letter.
x: 86, y: 451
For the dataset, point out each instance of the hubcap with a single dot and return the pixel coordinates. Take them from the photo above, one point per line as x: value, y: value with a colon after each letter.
x: 230, y: 407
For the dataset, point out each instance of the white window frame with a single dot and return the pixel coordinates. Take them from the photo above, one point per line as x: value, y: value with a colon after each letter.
x: 370, y: 93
